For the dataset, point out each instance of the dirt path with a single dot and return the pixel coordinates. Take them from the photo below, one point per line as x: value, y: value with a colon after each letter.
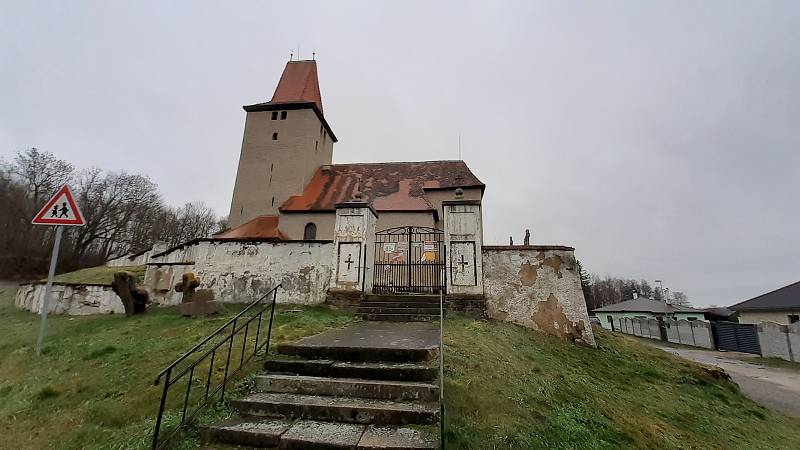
x: 773, y: 387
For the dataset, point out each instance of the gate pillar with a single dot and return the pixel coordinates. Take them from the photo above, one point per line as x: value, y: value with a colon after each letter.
x: 463, y: 235
x: 353, y: 238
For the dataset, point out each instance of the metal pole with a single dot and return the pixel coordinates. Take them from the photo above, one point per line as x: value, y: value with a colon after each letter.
x: 441, y: 369
x: 48, y: 288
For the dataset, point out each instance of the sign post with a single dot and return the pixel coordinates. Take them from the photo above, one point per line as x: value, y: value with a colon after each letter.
x: 61, y: 210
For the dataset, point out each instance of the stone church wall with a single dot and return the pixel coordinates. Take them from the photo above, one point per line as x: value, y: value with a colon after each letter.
x: 241, y: 271
x: 537, y: 287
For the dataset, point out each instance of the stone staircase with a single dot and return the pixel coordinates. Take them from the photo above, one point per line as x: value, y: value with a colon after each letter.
x: 399, y: 307
x: 328, y: 392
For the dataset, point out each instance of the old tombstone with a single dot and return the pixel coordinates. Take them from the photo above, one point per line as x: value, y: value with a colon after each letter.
x: 196, y: 302
x: 134, y: 298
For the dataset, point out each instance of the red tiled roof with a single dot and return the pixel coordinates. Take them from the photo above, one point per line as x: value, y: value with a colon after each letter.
x: 298, y: 83
x: 262, y: 227
x: 396, y: 186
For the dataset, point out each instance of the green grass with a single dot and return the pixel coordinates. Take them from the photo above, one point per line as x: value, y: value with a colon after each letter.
x: 98, y: 275
x: 511, y: 388
x: 93, y: 386
x: 770, y: 362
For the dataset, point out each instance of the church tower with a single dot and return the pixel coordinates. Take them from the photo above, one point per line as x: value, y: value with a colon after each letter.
x: 285, y: 141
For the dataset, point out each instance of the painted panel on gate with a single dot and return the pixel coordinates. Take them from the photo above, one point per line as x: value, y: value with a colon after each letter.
x: 349, y: 257
x: 462, y: 264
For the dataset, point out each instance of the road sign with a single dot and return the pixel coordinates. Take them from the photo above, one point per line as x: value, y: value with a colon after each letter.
x: 61, y: 209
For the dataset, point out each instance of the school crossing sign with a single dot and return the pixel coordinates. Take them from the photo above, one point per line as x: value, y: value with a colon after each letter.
x: 60, y: 210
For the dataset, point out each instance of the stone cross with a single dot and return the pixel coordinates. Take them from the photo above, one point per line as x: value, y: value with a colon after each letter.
x: 462, y: 263
x: 349, y: 260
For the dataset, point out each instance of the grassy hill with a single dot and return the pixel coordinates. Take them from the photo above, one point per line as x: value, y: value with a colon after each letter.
x: 512, y: 388
x: 507, y: 387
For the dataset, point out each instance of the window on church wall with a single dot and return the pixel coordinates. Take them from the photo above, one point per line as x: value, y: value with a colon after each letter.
x: 283, y: 115
x: 316, y: 145
x: 274, y: 136
x: 274, y: 115
x: 273, y: 201
x: 310, y: 232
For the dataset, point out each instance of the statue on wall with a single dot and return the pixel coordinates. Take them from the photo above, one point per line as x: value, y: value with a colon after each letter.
x: 134, y: 297
x: 527, y: 240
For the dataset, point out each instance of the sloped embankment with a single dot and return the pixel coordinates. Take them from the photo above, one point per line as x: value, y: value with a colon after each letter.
x: 510, y: 387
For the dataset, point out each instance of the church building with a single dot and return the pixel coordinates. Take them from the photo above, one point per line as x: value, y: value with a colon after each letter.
x: 287, y: 186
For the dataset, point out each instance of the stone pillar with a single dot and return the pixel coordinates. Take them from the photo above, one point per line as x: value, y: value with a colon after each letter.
x: 463, y: 235
x: 354, y: 242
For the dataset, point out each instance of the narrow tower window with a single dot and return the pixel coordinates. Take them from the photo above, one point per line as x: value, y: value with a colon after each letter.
x: 274, y: 136
x: 316, y: 145
x: 273, y: 201
x: 310, y: 233
x: 283, y: 115
x: 274, y: 115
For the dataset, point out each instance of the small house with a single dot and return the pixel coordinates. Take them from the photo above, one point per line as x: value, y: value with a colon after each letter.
x: 645, y: 308
x: 780, y: 306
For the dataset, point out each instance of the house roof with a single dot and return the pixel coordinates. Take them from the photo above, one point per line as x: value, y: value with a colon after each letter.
x: 393, y: 186
x: 644, y: 304
x: 785, y: 298
x: 262, y: 227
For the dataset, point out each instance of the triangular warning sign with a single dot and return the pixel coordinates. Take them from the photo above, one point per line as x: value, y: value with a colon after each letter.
x: 61, y: 209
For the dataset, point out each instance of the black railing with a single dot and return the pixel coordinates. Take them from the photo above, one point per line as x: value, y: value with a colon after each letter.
x: 219, y: 343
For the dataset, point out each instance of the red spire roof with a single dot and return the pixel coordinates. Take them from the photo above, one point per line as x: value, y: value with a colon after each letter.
x: 298, y: 83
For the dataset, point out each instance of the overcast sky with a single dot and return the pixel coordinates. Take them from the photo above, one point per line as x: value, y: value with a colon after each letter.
x: 660, y: 139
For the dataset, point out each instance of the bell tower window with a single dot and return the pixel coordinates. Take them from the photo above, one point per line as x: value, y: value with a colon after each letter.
x: 283, y: 115
x: 274, y: 136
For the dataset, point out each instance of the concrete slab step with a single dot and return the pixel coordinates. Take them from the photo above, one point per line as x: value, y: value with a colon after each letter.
x: 314, y: 435
x: 395, y: 438
x: 337, y: 409
x: 400, y: 317
x: 402, y: 298
x: 401, y: 305
x: 357, y: 353
x: 348, y: 387
x: 397, y: 310
x: 248, y: 432
x: 368, y: 370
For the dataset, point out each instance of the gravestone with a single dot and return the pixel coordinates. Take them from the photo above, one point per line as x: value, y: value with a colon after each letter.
x: 196, y: 302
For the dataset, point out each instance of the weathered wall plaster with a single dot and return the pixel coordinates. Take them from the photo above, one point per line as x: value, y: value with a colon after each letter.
x: 241, y: 271
x: 75, y: 300
x: 537, y: 287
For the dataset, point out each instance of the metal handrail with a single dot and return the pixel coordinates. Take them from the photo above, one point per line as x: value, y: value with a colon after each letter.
x: 229, y: 338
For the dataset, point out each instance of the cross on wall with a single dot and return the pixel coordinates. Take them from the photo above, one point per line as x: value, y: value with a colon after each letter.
x: 349, y: 260
x: 463, y: 263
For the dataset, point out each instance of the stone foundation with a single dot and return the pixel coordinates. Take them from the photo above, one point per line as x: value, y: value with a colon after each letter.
x: 75, y: 300
x: 469, y: 305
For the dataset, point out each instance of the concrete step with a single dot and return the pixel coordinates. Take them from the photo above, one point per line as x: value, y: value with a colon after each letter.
x: 357, y: 353
x: 348, y: 387
x: 249, y: 432
x: 402, y: 298
x: 337, y: 409
x: 400, y: 317
x: 401, y: 305
x: 367, y: 370
x: 397, y: 310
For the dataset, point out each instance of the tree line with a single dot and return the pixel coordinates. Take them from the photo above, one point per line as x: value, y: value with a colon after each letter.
x: 600, y: 292
x: 123, y: 212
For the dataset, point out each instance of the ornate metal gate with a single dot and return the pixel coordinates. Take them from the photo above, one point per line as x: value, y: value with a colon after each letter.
x: 409, y: 259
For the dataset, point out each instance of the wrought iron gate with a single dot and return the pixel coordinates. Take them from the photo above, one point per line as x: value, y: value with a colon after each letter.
x: 409, y: 259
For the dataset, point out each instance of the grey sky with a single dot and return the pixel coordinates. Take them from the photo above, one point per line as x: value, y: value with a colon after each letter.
x: 658, y: 138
